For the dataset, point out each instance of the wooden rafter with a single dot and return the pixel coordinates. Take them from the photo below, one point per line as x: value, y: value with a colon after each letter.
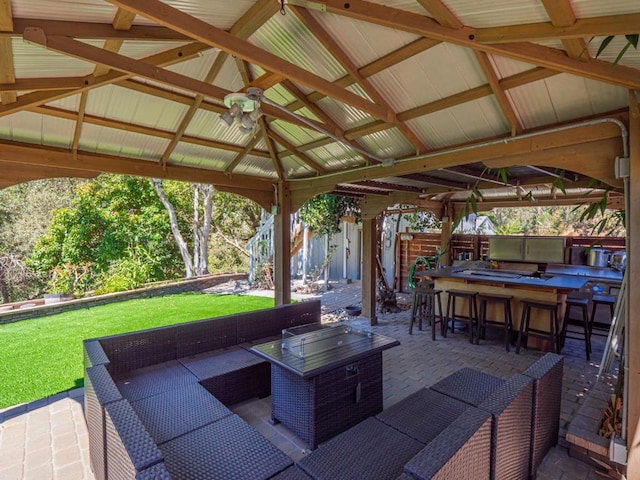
x: 561, y: 15
x: 277, y: 164
x: 143, y: 130
x: 565, y: 149
x: 234, y: 163
x: 17, y: 153
x: 581, y: 28
x: 208, y: 34
x: 7, y: 70
x: 166, y: 58
x: 467, y: 37
x: 193, y: 108
x: 441, y: 13
x: 499, y: 93
x: 305, y: 159
x: 338, y: 53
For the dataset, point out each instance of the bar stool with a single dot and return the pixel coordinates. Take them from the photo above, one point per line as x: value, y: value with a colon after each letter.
x: 601, y: 300
x: 472, y: 319
x: 525, y: 329
x: 582, y: 304
x: 423, y: 307
x: 483, y: 323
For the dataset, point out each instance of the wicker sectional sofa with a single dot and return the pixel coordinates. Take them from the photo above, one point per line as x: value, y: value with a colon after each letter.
x: 156, y: 401
x: 156, y: 406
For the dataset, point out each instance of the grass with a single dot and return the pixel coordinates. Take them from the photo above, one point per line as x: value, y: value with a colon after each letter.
x: 43, y: 356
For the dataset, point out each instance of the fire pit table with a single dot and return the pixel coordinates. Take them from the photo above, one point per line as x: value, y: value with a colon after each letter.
x: 325, y: 379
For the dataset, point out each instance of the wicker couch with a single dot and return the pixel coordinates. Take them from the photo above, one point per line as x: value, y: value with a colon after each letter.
x: 156, y: 407
x: 156, y: 400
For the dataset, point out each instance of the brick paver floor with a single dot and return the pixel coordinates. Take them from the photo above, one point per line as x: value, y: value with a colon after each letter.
x: 48, y: 438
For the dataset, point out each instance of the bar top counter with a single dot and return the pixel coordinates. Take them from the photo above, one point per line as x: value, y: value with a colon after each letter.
x: 508, y: 277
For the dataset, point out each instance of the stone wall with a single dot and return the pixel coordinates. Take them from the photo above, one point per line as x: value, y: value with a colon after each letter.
x: 190, y: 285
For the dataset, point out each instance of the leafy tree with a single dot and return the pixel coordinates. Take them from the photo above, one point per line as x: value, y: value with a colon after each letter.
x: 324, y: 212
x: 112, y: 220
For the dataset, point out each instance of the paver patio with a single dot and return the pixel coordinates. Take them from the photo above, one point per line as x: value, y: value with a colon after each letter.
x: 48, y: 438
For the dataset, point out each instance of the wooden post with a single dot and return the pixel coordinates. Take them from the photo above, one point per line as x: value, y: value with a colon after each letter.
x: 282, y: 247
x: 369, y: 265
x: 633, y: 264
x: 445, y: 240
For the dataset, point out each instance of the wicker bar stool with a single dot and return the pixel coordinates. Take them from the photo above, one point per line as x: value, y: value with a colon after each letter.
x: 525, y: 330
x: 423, y: 307
x: 602, y: 328
x: 582, y: 304
x: 483, y: 322
x: 472, y: 319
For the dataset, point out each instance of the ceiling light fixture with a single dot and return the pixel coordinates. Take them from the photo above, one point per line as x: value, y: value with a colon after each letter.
x: 245, y: 107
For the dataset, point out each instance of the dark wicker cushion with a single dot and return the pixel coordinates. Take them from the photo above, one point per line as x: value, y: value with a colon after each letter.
x: 468, y: 385
x: 157, y: 472
x: 149, y: 381
x: 423, y: 414
x: 178, y: 411
x: 226, y: 449
x: 370, y: 450
x: 292, y: 473
x: 219, y: 362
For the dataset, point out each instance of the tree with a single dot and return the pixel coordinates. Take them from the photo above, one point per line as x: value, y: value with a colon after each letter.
x: 323, y: 214
x: 114, y: 236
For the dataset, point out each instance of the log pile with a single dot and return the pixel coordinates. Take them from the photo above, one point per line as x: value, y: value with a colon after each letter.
x: 612, y: 418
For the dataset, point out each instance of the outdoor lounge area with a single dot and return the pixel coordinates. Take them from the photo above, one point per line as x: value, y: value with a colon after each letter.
x: 418, y: 362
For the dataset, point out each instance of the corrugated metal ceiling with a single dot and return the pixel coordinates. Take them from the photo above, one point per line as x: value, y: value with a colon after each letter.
x: 435, y: 82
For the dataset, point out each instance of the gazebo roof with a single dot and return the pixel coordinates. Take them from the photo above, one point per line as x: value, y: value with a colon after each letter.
x: 399, y: 99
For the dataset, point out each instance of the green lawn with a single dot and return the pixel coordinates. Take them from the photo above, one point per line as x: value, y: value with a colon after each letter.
x: 43, y: 356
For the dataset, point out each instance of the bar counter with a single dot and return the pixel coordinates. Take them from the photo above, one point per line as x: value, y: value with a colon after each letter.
x: 521, y: 285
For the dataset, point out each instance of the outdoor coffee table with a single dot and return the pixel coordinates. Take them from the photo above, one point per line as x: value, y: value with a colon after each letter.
x: 325, y: 379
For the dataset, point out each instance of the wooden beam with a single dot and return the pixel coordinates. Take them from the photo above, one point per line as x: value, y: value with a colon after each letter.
x: 562, y: 15
x: 277, y: 164
x: 7, y: 70
x: 441, y: 13
x: 166, y: 58
x: 499, y: 149
x: 14, y: 173
x: 193, y: 108
x: 14, y: 152
x: 282, y: 246
x: 6, y: 16
x: 338, y: 53
x: 234, y: 163
x: 95, y: 31
x: 369, y: 265
x: 305, y: 159
x: 208, y: 34
x: 633, y: 302
x: 499, y: 93
x: 46, y: 83
x: 467, y: 37
x: 144, y: 130
x: 79, y: 121
x: 592, y: 159
x: 582, y: 28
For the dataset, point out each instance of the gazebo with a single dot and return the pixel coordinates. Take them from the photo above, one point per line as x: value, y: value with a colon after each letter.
x: 422, y: 102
